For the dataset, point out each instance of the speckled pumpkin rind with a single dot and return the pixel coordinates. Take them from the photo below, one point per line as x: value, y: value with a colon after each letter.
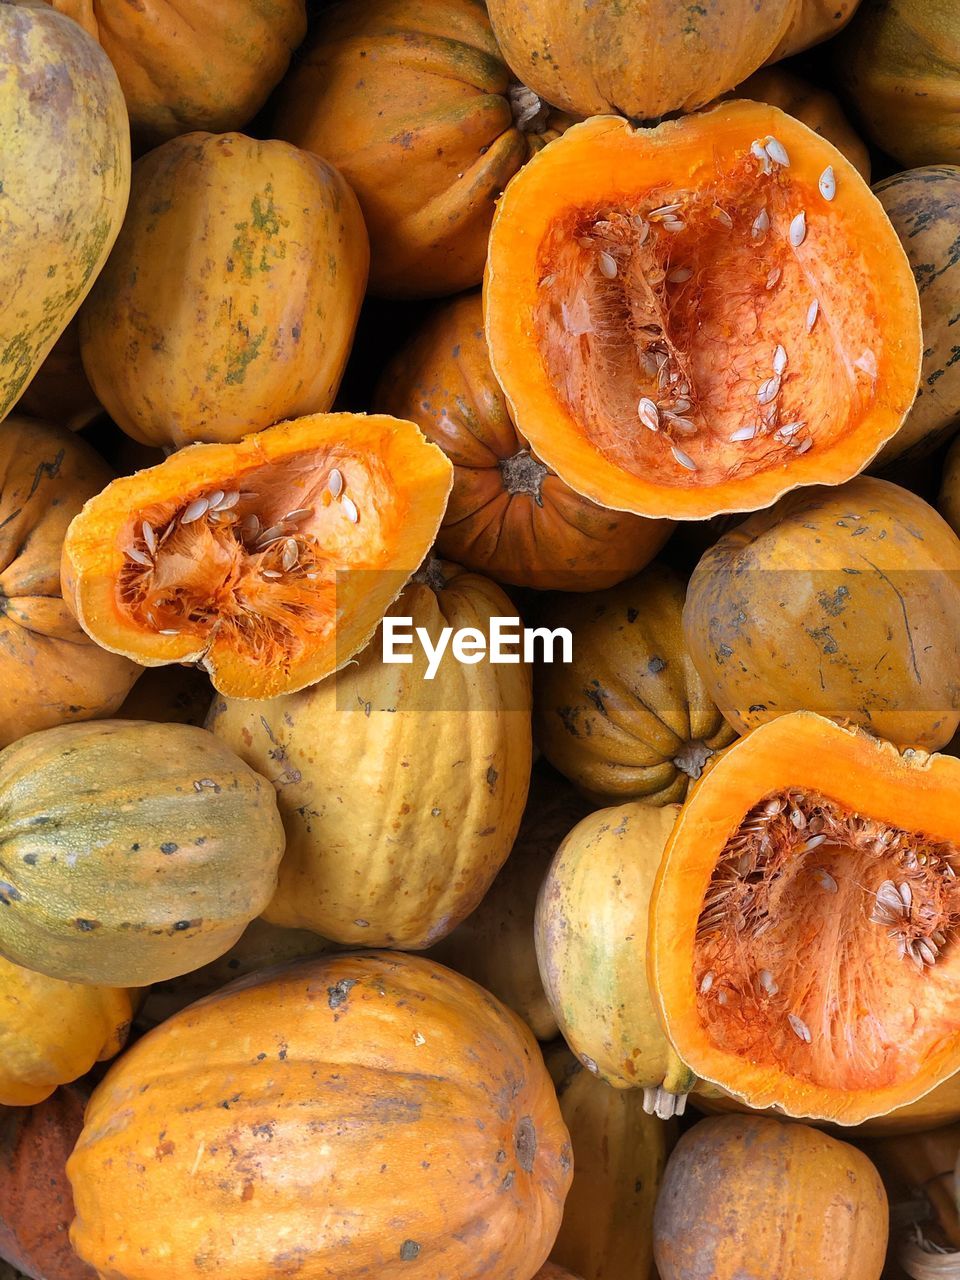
x: 231, y: 297
x: 355, y: 1116
x: 66, y: 177
x: 132, y: 851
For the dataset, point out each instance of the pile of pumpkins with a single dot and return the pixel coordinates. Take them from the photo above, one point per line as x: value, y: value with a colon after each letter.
x: 638, y: 959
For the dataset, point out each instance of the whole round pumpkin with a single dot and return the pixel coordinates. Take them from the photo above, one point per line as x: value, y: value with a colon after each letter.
x: 352, y: 1116
x: 66, y: 178
x: 899, y: 62
x: 495, y: 944
x: 132, y: 851
x: 924, y: 207
x: 401, y: 796
x: 231, y: 296
x: 629, y: 717
x: 692, y: 319
x: 59, y: 391
x: 619, y: 1153
x: 508, y: 516
x: 949, y: 500
x: 586, y: 59
x: 591, y: 934
x: 842, y: 601
x: 36, y: 1205
x: 746, y: 1196
x: 50, y: 671
x: 412, y: 101
x: 52, y: 1032
x: 208, y: 66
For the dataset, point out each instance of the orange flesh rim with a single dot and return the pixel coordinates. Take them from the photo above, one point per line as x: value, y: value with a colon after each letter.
x: 592, y: 307
x: 851, y: 1027
x: 255, y: 590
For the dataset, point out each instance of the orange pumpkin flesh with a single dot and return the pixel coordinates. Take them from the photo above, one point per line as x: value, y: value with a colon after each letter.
x: 803, y: 920
x: 258, y: 599
x: 628, y: 266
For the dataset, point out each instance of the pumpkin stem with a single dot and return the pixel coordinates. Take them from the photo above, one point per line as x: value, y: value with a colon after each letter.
x: 431, y: 574
x: 523, y: 473
x: 660, y: 1102
x: 692, y: 756
x: 530, y: 112
x: 922, y: 1259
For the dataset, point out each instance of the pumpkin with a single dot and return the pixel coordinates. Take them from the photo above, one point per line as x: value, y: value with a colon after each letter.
x: 36, y: 1206
x: 684, y: 325
x: 495, y: 944
x: 209, y: 67
x: 640, y: 59
x: 50, y: 672
x: 66, y: 177
x: 231, y: 297
x: 508, y: 515
x: 842, y: 601
x: 169, y: 695
x: 51, y: 1032
x: 628, y: 717
x: 591, y: 931
x: 619, y: 1153
x: 268, y: 562
x: 899, y: 62
x: 260, y: 946
x: 810, y: 103
x: 798, y: 952
x: 132, y: 851
x: 749, y: 1196
x: 359, y: 1112
x: 924, y: 207
x: 59, y: 390
x: 411, y: 100
x: 401, y: 796
x: 949, y: 500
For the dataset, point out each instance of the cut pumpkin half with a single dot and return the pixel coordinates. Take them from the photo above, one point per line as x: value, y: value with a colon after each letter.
x: 804, y: 943
x: 695, y: 318
x: 269, y: 562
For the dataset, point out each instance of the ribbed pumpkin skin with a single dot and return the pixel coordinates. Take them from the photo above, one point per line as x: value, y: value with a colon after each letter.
x: 230, y: 299
x: 36, y: 1205
x: 50, y: 671
x: 924, y: 207
x: 619, y: 1153
x: 630, y: 717
x: 899, y: 63
x: 408, y: 98
x: 132, y: 851
x: 357, y: 1116
x: 208, y: 65
x: 66, y: 177
x: 401, y: 797
x: 508, y: 515
x: 495, y: 944
x: 52, y: 1032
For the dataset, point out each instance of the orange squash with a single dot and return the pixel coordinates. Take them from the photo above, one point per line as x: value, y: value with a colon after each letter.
x: 231, y: 296
x: 591, y: 936
x: 50, y: 672
x: 749, y: 1196
x: 59, y: 391
x: 401, y: 796
x: 508, y: 516
x: 629, y: 718
x: 362, y: 1115
x: 268, y: 562
x: 495, y: 944
x: 51, y: 1032
x: 949, y: 500
x: 800, y: 949
x: 924, y: 207
x: 210, y: 66
x: 646, y: 58
x: 413, y: 103
x: 684, y: 325
x: 842, y: 601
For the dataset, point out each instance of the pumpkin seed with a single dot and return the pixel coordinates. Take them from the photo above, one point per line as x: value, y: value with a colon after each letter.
x: 812, y: 312
x: 828, y: 183
x: 684, y: 459
x: 608, y: 264
x: 649, y: 414
x: 196, y: 509
x: 350, y: 510
x: 798, y: 229
x: 799, y: 1028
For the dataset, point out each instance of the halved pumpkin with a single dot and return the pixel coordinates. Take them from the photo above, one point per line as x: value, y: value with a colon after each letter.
x: 694, y: 319
x: 803, y: 927
x: 269, y: 562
